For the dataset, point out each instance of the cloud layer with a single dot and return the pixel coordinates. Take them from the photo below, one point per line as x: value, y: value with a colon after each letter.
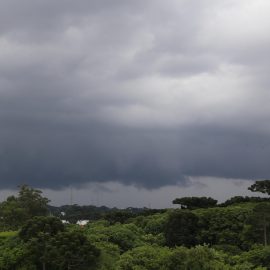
x: 140, y: 92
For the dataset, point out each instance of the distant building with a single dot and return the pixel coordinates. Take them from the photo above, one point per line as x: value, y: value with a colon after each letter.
x: 82, y: 222
x: 65, y: 221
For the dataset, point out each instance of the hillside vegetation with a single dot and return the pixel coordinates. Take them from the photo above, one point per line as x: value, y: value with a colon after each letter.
x: 232, y: 236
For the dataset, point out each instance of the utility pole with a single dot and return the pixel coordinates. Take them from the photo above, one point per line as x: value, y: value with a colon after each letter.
x: 71, y: 196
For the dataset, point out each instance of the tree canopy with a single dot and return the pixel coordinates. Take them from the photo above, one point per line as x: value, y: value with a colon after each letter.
x: 195, y: 202
x: 181, y: 228
x: 16, y: 210
x: 205, y: 236
x: 261, y: 186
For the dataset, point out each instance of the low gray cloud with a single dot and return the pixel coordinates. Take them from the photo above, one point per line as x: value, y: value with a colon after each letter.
x: 145, y: 93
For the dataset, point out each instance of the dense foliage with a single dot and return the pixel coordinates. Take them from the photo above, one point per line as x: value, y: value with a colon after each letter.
x: 195, y: 202
x: 235, y: 236
x: 241, y: 199
x: 261, y: 186
x: 17, y: 210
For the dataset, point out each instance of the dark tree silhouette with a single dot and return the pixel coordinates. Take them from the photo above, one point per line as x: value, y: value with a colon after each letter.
x: 261, y: 186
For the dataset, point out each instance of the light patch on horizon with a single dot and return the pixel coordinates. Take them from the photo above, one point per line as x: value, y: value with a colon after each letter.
x: 117, y: 195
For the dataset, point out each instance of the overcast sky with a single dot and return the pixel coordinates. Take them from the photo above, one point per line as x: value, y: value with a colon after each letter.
x: 140, y: 97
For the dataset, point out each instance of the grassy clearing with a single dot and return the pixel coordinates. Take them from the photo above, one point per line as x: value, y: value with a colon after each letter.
x: 8, y: 234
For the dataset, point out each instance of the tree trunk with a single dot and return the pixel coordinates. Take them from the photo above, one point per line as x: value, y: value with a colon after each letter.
x: 264, y: 231
x: 43, y: 266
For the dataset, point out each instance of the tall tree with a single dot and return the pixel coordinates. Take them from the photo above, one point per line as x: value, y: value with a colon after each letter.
x: 260, y: 221
x: 181, y: 228
x: 32, y: 200
x: 261, y: 186
x: 37, y: 234
x: 12, y: 214
x: 73, y: 250
x: 37, y: 225
x: 16, y: 210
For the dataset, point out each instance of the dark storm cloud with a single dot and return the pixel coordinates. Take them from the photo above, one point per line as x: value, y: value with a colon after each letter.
x: 141, y: 92
x: 53, y: 157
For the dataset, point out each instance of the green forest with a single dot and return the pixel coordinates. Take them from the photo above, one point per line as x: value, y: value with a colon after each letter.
x: 199, y: 234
